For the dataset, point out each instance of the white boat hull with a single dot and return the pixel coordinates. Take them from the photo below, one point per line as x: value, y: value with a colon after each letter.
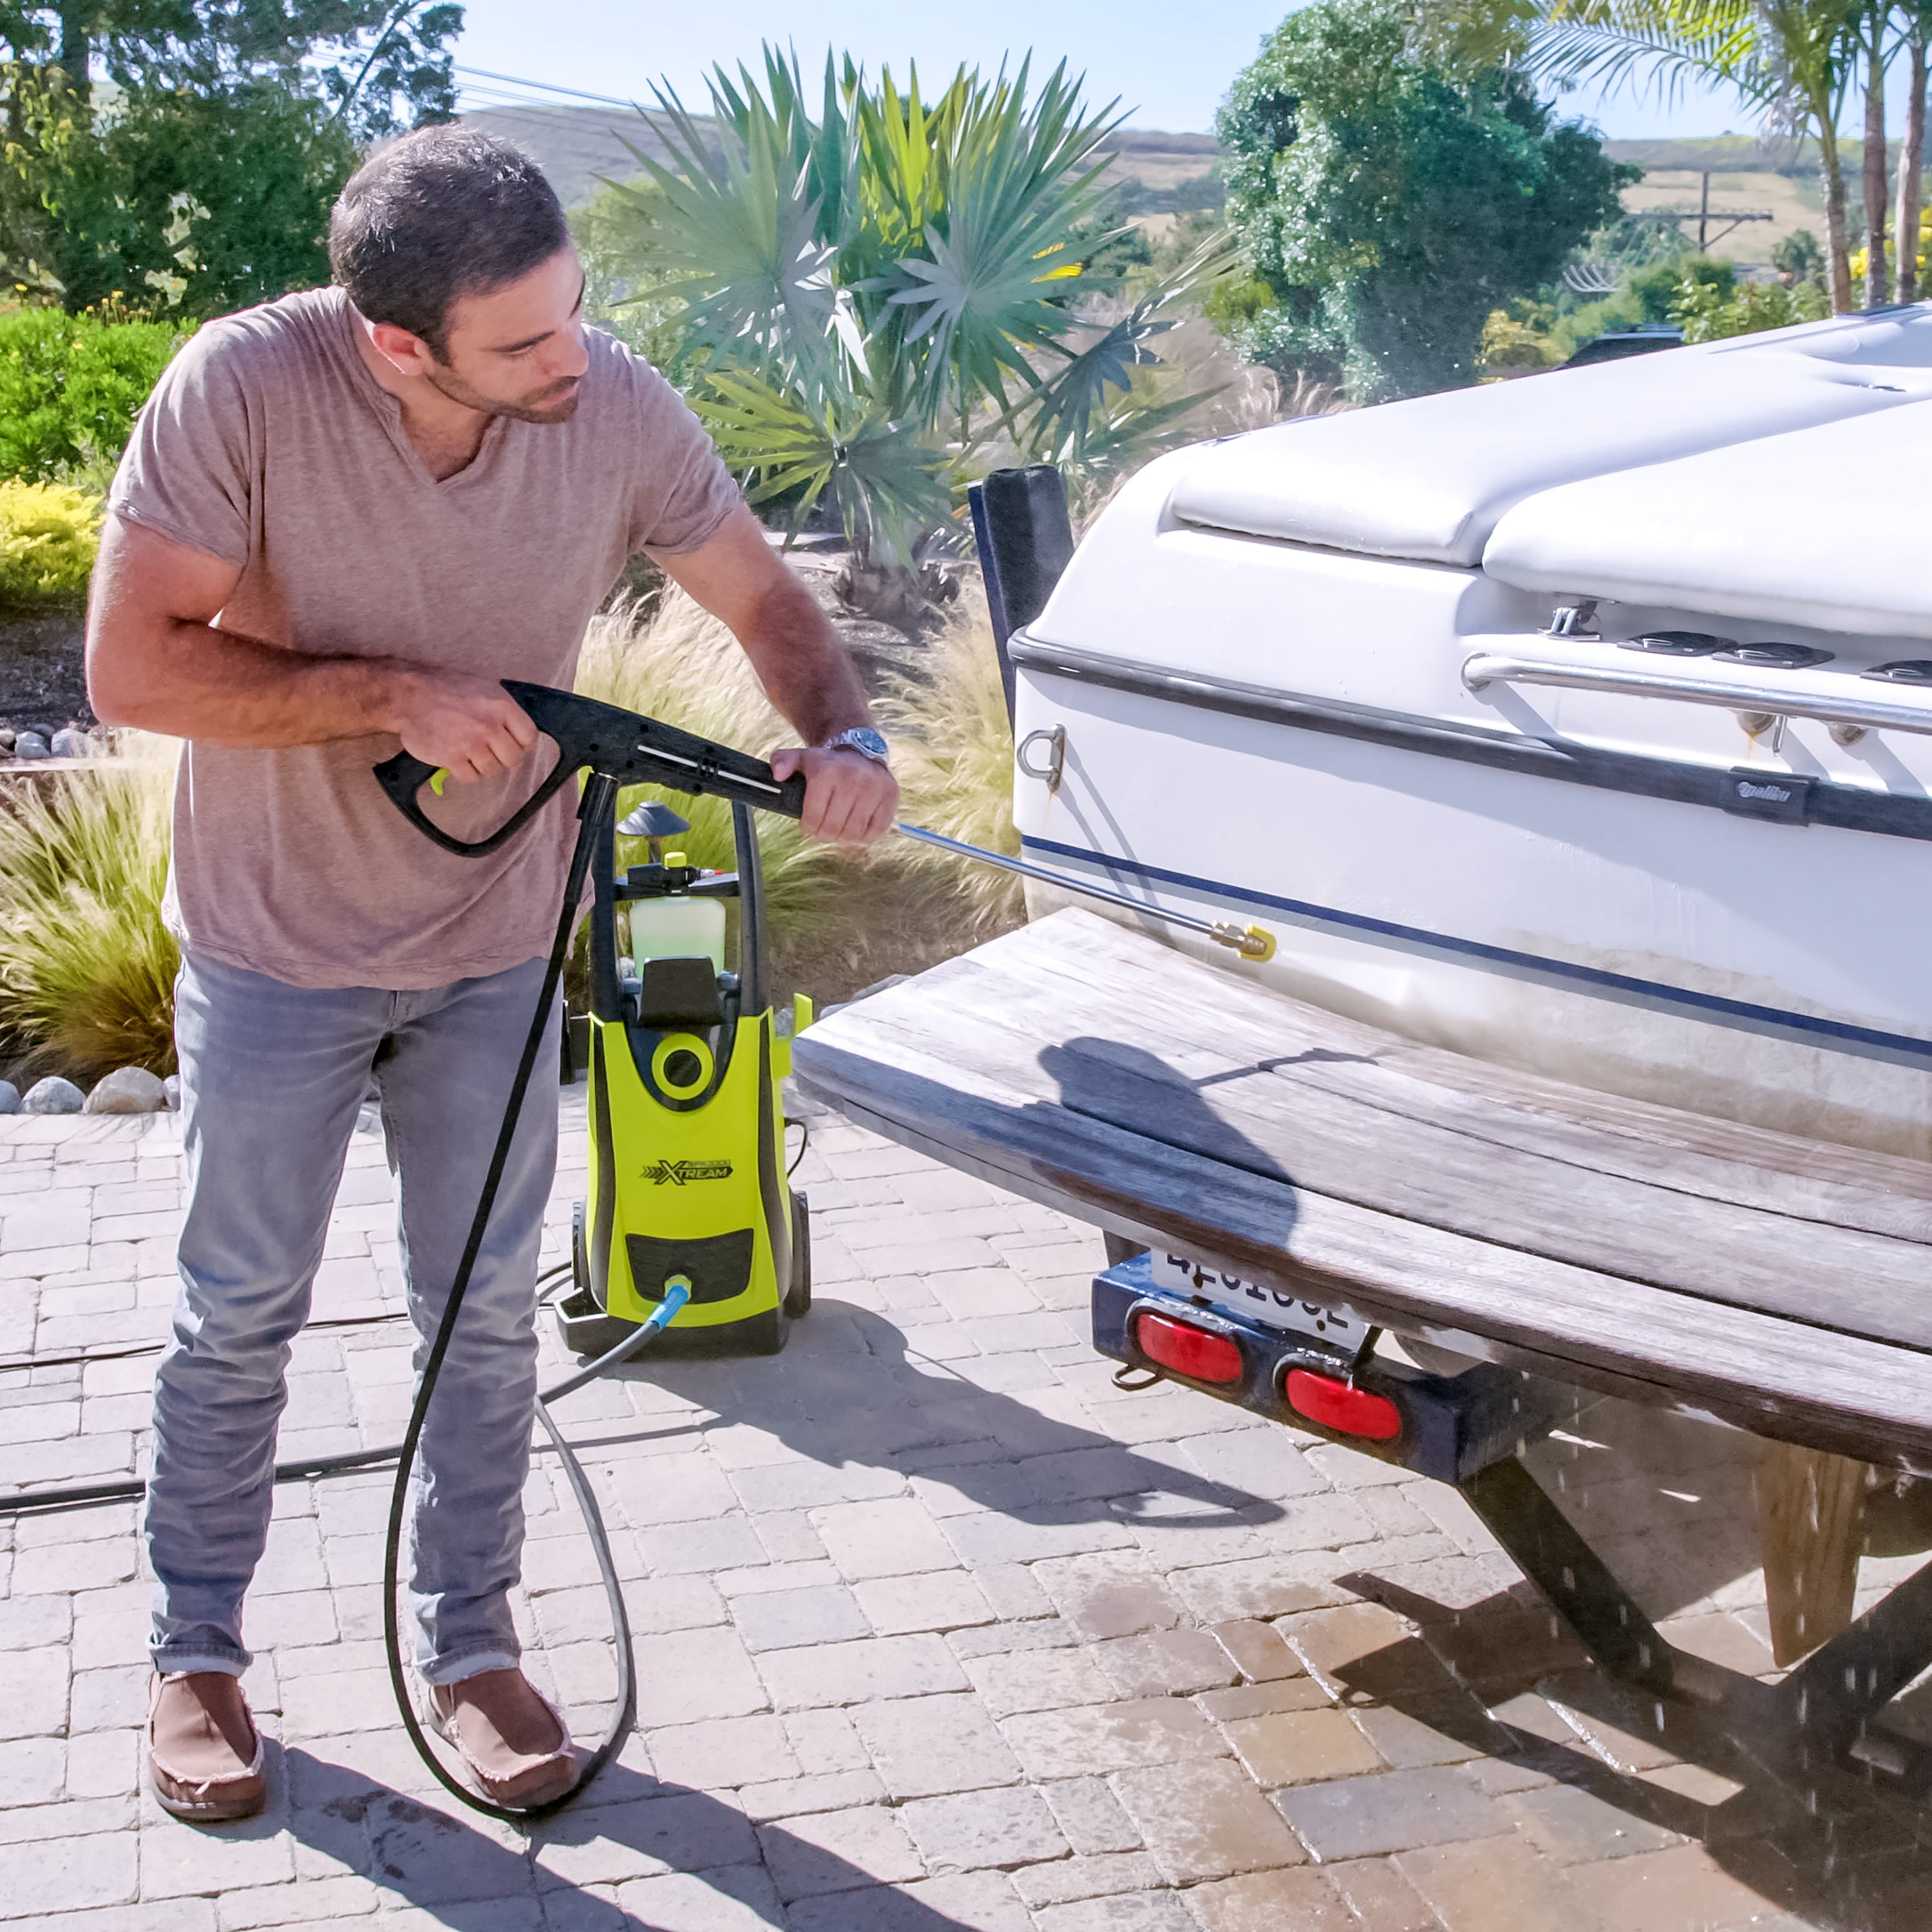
x: 1258, y: 729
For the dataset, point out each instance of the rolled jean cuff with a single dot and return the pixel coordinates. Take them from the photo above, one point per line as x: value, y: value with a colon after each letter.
x: 188, y: 1663
x: 470, y: 1664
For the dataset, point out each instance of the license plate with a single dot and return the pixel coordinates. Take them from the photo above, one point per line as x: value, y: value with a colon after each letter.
x: 1181, y: 1276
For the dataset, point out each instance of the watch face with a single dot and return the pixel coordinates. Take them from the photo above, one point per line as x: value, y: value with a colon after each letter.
x: 865, y: 738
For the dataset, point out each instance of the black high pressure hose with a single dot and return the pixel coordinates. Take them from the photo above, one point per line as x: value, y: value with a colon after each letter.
x: 598, y: 799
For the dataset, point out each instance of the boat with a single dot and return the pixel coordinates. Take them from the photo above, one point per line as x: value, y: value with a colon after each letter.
x: 1582, y: 723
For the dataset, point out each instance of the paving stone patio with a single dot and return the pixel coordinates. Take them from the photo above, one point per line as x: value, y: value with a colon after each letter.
x: 937, y: 1628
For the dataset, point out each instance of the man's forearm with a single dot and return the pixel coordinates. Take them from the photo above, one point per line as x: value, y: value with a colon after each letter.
x: 194, y: 681
x: 806, y: 672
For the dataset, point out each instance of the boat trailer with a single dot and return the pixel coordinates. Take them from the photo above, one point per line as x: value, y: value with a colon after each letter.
x: 1283, y: 1188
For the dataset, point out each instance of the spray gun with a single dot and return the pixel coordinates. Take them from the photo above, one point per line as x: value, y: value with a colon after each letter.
x: 632, y: 749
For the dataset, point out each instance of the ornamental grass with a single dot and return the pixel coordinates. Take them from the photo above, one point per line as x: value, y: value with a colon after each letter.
x: 87, y: 969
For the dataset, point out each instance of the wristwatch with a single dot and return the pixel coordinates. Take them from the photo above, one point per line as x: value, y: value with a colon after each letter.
x: 862, y: 738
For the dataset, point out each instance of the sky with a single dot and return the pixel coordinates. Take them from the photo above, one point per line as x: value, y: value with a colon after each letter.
x: 1169, y: 61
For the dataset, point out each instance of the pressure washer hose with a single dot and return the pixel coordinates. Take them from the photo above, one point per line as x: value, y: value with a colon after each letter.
x: 598, y: 799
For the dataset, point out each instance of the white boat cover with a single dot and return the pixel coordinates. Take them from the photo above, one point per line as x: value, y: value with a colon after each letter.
x: 1751, y: 531
x: 1430, y: 479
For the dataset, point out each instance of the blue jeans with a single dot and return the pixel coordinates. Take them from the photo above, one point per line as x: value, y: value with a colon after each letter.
x: 272, y: 1077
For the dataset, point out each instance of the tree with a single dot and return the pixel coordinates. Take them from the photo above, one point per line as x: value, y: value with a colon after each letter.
x: 1793, y: 60
x: 873, y: 293
x: 377, y: 65
x: 1912, y: 151
x: 1391, y: 197
x: 183, y: 155
x: 192, y: 201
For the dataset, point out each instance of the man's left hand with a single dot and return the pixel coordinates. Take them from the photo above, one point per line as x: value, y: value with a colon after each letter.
x: 850, y: 799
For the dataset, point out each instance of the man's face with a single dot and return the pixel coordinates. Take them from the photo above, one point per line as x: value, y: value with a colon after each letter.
x: 517, y: 351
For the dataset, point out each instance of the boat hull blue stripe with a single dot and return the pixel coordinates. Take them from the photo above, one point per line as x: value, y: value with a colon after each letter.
x: 1835, y: 1033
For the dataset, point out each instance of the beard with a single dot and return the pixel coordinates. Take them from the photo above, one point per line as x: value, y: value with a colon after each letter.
x: 530, y: 408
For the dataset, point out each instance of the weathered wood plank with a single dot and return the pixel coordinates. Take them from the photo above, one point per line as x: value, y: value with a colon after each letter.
x: 916, y: 1068
x: 1104, y: 1059
x: 1753, y: 1166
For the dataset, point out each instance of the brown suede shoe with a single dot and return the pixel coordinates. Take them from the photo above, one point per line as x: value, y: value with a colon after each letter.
x: 511, y: 1739
x: 204, y: 1755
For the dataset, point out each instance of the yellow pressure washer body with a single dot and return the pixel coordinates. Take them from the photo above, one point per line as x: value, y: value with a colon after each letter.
x: 687, y: 1129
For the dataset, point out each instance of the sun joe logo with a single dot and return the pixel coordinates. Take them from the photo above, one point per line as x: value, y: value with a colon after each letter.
x: 680, y: 1171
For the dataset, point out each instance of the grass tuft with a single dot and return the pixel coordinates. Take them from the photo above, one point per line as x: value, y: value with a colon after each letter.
x: 87, y: 970
x: 952, y: 749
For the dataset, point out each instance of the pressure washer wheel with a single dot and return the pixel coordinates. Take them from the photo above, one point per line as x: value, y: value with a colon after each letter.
x: 798, y: 1296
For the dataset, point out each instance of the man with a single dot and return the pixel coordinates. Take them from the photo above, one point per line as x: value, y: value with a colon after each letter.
x: 344, y: 518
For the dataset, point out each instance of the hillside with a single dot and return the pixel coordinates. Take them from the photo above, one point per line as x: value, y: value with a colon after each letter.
x: 576, y: 146
x: 1167, y: 174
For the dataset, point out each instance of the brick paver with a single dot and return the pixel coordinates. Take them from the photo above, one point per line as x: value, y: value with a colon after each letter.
x: 938, y: 1629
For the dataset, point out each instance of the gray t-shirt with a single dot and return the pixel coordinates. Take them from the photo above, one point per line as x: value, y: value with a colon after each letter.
x: 268, y: 444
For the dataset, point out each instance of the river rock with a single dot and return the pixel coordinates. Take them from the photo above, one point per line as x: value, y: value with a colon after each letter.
x: 73, y: 743
x: 7, y: 735
x: 127, y: 1090
x: 171, y: 1092
x: 10, y: 1097
x: 53, y: 1095
x: 30, y: 744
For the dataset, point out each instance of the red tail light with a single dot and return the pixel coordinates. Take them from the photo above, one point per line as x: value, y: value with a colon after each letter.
x: 1348, y: 1411
x: 1196, y: 1353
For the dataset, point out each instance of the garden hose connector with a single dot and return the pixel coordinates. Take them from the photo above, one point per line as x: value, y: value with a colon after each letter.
x: 677, y: 1293
x: 1251, y: 942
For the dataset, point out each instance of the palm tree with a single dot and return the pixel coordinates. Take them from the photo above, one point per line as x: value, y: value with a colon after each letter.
x: 880, y: 294
x: 1918, y: 18
x: 1794, y: 60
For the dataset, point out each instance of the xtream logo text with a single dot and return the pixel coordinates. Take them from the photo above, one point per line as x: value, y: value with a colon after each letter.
x: 680, y: 1171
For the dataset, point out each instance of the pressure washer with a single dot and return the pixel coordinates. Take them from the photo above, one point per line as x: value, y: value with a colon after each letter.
x: 691, y: 1229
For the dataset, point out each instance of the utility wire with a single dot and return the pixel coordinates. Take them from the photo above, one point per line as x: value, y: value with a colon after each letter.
x: 545, y: 87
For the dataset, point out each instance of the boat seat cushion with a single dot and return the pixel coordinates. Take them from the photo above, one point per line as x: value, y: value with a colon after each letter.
x: 1430, y: 478
x: 1748, y: 532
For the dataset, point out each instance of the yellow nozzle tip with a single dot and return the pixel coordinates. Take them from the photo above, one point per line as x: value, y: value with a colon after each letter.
x: 1260, y: 944
x: 438, y: 778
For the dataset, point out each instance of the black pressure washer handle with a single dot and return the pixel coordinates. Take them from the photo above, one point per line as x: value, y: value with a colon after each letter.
x: 625, y: 745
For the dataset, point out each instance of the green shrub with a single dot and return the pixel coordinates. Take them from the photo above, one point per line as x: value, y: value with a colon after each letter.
x: 49, y: 534
x: 1709, y: 314
x: 70, y: 387
x: 86, y: 967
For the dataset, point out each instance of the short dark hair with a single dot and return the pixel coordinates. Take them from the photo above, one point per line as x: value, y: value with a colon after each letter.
x: 444, y: 212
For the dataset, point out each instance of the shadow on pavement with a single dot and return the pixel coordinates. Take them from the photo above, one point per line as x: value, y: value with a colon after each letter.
x: 627, y: 1827
x: 868, y: 1398
x: 1499, y: 1678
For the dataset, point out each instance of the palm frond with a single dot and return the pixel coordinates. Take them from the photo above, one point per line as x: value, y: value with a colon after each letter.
x: 1658, y: 46
x: 736, y: 230
x: 890, y: 484
x: 1067, y: 409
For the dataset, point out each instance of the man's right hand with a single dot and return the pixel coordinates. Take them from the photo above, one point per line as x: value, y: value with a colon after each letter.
x: 471, y: 726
